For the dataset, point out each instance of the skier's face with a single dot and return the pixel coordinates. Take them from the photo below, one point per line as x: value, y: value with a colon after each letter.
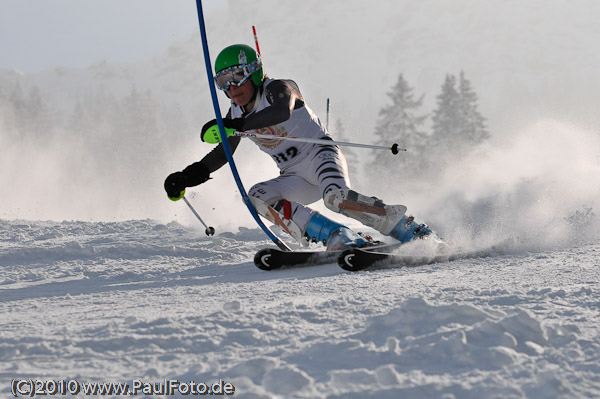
x: 241, y: 95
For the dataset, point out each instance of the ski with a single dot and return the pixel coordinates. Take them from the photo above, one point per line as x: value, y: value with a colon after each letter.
x: 273, y: 258
x: 355, y: 259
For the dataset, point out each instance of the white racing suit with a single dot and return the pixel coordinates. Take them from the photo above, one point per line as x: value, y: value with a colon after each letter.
x: 308, y: 172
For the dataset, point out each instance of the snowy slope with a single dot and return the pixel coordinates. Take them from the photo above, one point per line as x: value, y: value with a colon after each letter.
x: 155, y: 299
x: 139, y: 300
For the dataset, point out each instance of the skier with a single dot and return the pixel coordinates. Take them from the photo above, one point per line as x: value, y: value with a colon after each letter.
x: 308, y: 172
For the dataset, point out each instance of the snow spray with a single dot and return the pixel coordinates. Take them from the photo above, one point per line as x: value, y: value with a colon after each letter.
x: 540, y: 188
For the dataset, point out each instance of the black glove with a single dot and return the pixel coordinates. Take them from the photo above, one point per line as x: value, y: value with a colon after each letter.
x: 176, y: 183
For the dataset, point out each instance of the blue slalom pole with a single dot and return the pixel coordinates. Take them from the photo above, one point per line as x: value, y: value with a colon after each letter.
x: 226, y: 148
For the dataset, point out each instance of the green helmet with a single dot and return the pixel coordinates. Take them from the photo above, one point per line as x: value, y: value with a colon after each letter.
x: 243, y: 55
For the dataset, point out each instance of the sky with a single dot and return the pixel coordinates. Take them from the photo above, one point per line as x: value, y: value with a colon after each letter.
x: 40, y: 34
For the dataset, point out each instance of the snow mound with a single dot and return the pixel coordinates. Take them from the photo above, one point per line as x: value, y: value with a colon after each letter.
x: 420, y: 350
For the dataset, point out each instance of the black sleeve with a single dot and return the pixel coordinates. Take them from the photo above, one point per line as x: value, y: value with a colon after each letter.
x: 284, y: 97
x: 216, y: 158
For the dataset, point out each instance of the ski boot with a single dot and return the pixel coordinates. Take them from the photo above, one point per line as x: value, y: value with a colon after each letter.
x: 389, y: 220
x: 407, y: 230
x: 334, y: 235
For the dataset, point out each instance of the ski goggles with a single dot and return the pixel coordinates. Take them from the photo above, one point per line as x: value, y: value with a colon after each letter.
x: 236, y: 75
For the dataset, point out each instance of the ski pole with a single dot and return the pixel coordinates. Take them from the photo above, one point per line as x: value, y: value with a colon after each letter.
x: 327, y: 124
x: 209, y: 230
x: 394, y: 148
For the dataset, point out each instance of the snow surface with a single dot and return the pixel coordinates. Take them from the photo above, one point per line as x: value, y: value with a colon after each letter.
x: 153, y: 299
x: 113, y: 302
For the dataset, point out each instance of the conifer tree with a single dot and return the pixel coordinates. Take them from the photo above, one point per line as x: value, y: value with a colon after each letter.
x: 457, y: 124
x: 80, y: 120
x: 446, y: 118
x: 34, y: 116
x: 141, y: 129
x: 400, y: 122
x: 8, y: 121
x: 19, y: 107
x: 352, y: 158
x: 475, y: 131
x: 101, y: 107
x: 140, y: 115
x: 41, y: 114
